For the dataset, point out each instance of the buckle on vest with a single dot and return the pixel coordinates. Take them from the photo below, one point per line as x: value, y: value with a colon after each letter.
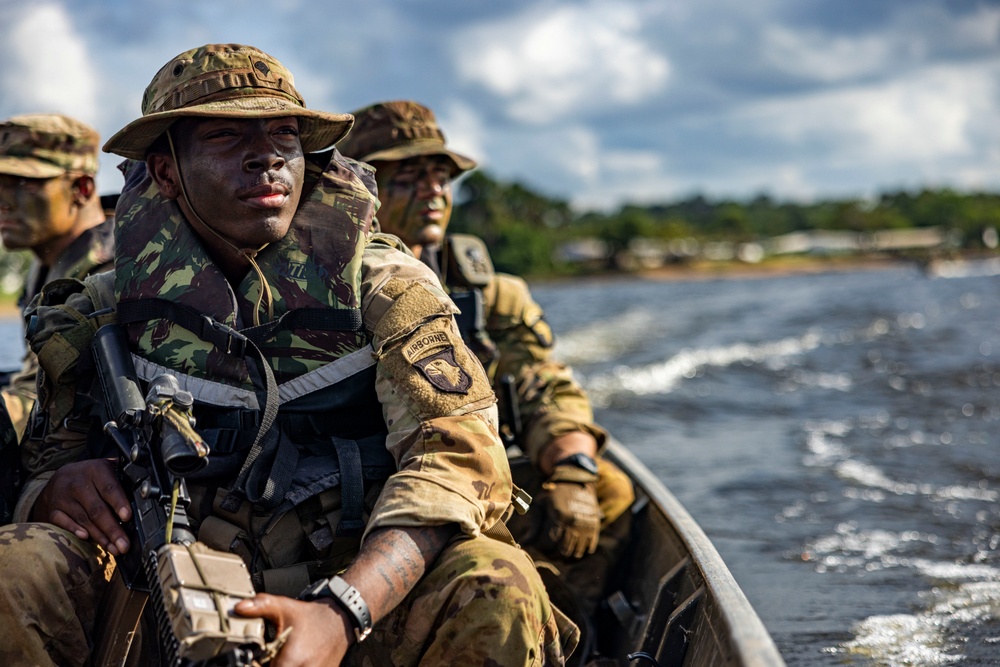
x: 223, y: 336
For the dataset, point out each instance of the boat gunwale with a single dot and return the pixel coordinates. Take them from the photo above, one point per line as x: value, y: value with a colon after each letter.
x: 749, y: 638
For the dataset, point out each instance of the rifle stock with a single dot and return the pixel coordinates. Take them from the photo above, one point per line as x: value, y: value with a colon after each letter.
x: 192, y: 589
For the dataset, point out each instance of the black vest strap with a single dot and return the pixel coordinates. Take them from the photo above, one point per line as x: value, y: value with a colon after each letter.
x: 352, y: 488
x: 222, y: 336
x: 472, y: 318
x: 316, y: 319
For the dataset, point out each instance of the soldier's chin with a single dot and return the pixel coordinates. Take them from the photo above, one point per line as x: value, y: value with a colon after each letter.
x: 430, y: 235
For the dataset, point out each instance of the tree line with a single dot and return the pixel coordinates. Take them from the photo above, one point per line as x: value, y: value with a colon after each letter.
x: 523, y: 228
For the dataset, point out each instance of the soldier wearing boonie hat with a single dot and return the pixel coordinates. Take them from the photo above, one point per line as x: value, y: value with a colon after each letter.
x: 49, y: 205
x: 579, y: 495
x: 395, y: 442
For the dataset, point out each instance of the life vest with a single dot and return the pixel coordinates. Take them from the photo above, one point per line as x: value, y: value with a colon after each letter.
x: 315, y: 423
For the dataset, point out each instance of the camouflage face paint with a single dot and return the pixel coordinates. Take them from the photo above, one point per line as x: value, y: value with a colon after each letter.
x: 416, y: 198
x: 243, y: 177
x: 34, y: 210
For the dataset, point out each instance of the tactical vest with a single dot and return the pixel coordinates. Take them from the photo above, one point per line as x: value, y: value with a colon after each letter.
x: 280, y: 368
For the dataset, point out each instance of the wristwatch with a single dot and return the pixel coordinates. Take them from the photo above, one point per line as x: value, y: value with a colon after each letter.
x: 347, y: 597
x: 580, y: 461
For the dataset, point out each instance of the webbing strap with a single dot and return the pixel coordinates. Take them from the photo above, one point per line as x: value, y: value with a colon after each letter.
x: 315, y: 319
x: 471, y: 318
x: 352, y: 488
x: 222, y: 336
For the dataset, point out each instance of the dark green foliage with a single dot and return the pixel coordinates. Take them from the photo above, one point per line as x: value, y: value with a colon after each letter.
x: 522, y: 227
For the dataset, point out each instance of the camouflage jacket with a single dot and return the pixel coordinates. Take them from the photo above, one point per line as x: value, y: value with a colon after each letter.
x: 518, y: 341
x: 436, y: 402
x: 91, y: 252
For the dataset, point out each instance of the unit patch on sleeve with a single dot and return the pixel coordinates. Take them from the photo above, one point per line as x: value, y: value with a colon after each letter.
x: 442, y: 370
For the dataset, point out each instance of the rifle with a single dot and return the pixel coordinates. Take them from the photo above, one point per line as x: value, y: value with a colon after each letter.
x: 191, y: 588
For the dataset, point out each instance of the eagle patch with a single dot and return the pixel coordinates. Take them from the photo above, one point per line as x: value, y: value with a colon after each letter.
x: 442, y: 370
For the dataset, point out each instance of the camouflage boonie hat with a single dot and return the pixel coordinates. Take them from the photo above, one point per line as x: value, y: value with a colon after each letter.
x: 397, y: 131
x: 46, y: 146
x: 228, y: 81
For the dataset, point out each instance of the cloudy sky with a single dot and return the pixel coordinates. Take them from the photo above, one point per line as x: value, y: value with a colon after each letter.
x: 600, y: 102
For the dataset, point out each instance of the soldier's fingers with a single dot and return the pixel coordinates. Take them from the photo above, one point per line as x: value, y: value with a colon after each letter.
x: 62, y: 520
x: 262, y: 605
x: 113, y: 494
x: 98, y: 519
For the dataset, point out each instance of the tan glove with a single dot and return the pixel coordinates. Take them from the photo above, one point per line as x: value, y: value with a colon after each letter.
x: 572, y: 515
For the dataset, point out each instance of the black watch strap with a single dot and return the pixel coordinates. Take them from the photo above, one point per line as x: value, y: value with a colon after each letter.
x: 580, y: 461
x: 347, y: 597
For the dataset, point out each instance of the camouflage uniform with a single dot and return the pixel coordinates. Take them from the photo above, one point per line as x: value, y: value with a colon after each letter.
x: 46, y: 146
x: 512, y: 338
x: 481, y: 603
x: 506, y: 329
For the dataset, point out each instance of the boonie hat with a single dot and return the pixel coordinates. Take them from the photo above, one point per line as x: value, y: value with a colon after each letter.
x: 224, y: 81
x: 46, y: 146
x: 397, y: 131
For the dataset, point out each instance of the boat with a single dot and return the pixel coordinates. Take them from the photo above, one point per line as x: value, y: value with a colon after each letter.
x: 670, y: 600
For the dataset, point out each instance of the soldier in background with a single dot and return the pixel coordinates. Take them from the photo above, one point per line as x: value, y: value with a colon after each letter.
x: 50, y: 206
x: 581, y: 495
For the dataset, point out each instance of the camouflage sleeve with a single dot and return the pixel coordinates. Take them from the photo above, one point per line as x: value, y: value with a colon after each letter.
x: 436, y: 400
x: 550, y: 400
x: 61, y: 328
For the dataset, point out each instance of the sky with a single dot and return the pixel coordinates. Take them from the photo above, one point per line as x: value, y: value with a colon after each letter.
x: 598, y: 102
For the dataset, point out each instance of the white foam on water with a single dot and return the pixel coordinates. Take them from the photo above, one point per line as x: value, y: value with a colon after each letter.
x: 596, y: 343
x: 660, y: 378
x: 604, y: 340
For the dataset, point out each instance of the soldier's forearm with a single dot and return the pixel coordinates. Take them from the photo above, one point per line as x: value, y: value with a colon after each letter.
x: 391, y: 563
x: 565, y: 445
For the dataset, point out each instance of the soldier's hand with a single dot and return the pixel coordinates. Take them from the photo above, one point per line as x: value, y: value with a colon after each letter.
x: 572, y: 515
x: 86, y: 499
x: 320, y: 632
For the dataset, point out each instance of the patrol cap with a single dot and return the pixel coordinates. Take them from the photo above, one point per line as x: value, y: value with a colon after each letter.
x: 46, y: 146
x: 397, y: 131
x: 224, y: 81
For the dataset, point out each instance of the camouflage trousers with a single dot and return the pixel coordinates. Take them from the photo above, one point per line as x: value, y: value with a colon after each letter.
x: 482, y: 603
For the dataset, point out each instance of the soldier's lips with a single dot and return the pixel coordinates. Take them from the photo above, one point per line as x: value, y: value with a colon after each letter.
x: 266, y: 196
x: 267, y: 201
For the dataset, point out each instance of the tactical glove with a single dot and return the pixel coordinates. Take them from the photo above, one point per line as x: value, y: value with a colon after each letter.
x: 572, y: 515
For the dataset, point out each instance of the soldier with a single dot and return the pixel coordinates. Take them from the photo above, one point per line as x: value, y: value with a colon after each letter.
x: 386, y: 427
x: 582, y: 494
x: 50, y: 206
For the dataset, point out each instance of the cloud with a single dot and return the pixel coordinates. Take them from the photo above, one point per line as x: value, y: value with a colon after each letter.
x: 922, y: 116
x: 47, y: 66
x: 550, y: 63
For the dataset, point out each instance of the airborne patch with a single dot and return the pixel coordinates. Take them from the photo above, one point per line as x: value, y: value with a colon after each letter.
x: 424, y: 344
x: 442, y: 370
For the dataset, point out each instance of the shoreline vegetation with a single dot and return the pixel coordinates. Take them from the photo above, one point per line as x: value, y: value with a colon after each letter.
x: 542, y: 238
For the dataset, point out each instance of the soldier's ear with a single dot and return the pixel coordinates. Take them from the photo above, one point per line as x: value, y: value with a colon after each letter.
x: 83, y: 189
x: 163, y: 171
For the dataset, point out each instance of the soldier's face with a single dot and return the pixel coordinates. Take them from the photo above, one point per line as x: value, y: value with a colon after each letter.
x: 416, y: 198
x: 243, y: 177
x: 34, y: 211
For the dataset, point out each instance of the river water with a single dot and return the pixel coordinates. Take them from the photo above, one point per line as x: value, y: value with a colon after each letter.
x: 835, y: 435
